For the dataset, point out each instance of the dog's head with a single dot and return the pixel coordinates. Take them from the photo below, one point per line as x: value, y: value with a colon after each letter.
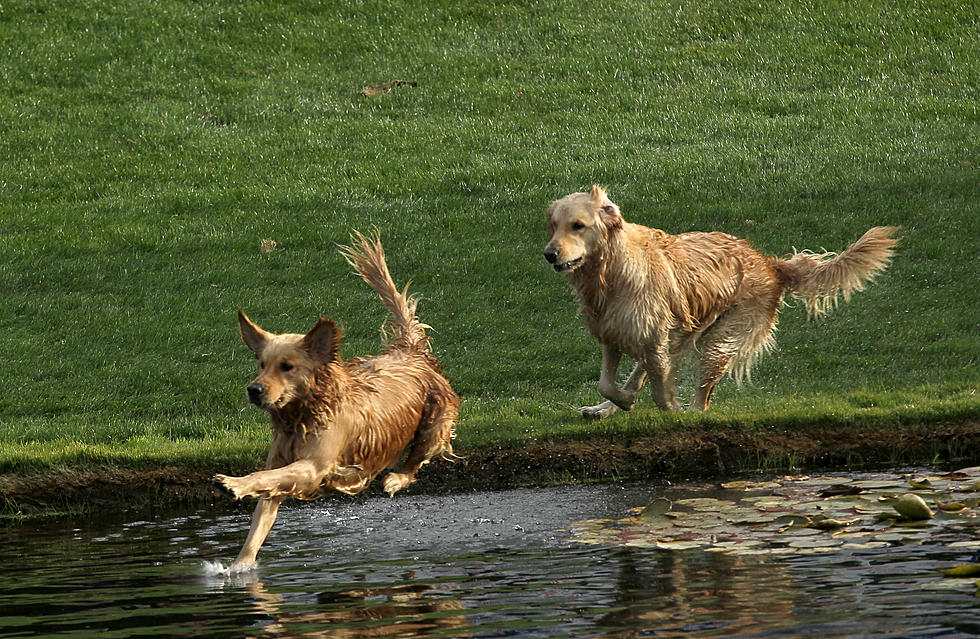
x: 287, y: 362
x: 579, y: 224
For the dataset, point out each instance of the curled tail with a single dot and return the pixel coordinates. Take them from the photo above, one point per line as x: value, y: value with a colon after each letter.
x: 818, y: 279
x: 367, y: 256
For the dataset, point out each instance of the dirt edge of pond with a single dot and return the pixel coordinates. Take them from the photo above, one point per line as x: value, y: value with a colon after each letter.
x: 701, y: 453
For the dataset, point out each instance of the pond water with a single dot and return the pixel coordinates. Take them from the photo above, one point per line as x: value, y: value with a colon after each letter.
x: 556, y: 562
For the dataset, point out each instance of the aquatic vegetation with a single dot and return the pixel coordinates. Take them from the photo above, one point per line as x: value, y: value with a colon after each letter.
x: 803, y: 514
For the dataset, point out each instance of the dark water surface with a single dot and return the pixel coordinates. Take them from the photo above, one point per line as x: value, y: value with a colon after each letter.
x: 483, y: 564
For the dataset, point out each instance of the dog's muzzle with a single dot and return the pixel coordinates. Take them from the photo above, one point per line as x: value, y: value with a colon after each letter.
x: 255, y: 392
x: 552, y: 255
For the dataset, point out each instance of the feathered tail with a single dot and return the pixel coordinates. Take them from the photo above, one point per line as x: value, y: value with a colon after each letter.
x: 818, y: 279
x: 367, y: 256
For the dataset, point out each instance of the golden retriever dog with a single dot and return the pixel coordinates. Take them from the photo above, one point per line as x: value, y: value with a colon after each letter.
x: 655, y: 296
x: 336, y: 424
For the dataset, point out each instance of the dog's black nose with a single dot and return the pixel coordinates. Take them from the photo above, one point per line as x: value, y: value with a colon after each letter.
x: 551, y: 254
x: 255, y: 392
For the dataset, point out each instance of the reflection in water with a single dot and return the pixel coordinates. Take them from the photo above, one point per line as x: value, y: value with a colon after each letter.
x: 480, y: 565
x: 404, y: 609
x: 680, y: 593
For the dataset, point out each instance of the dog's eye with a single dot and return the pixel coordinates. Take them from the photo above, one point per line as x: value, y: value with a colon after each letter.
x: 577, y: 226
x: 285, y: 367
x: 261, y: 365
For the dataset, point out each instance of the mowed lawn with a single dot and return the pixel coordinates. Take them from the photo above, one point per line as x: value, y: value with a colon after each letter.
x: 164, y: 164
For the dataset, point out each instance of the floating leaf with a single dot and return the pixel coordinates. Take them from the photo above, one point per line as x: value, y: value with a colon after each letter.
x: 792, y: 520
x: 835, y: 490
x: 750, y: 485
x: 792, y: 531
x: 819, y: 481
x: 962, y: 570
x: 678, y: 545
x: 973, y: 543
x: 827, y: 523
x: 656, y: 508
x: 956, y: 474
x: 878, y: 484
x: 815, y: 542
x: 868, y: 545
x: 699, y: 502
x: 800, y: 516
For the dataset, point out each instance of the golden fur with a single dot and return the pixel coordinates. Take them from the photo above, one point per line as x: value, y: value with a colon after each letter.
x: 337, y: 424
x: 652, y: 295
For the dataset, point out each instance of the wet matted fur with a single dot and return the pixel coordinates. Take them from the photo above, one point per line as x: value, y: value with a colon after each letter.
x: 654, y: 296
x: 336, y: 424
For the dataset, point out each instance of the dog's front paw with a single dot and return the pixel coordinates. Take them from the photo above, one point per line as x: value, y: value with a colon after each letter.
x: 396, y: 481
x: 599, y: 411
x: 234, y: 485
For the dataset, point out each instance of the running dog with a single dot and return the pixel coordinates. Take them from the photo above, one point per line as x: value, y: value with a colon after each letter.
x: 337, y: 424
x: 654, y: 296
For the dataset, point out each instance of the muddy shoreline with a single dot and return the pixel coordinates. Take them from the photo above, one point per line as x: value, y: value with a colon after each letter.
x: 700, y: 453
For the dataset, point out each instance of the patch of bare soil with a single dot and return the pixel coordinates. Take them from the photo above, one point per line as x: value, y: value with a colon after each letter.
x: 684, y: 454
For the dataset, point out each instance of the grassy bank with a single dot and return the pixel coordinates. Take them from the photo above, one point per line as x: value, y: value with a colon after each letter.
x: 168, y: 163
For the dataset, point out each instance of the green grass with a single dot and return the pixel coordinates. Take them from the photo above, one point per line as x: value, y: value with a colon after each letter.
x: 149, y: 147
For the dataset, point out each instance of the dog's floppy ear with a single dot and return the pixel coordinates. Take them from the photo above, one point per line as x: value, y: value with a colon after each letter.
x: 322, y: 342
x: 551, y: 216
x: 255, y: 338
x: 608, y: 212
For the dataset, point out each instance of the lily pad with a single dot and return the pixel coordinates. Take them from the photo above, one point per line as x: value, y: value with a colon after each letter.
x: 864, y: 545
x: 835, y: 490
x: 656, y: 508
x: 750, y: 485
x: 879, y: 484
x: 962, y: 570
x: 699, y: 502
x: 678, y: 545
x: 801, y: 515
x: 921, y: 482
x: 828, y: 523
x: 818, y: 541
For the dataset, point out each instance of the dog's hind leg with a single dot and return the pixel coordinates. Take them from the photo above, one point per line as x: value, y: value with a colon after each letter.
x: 734, y: 341
x: 262, y: 520
x: 432, y: 437
x: 715, y: 362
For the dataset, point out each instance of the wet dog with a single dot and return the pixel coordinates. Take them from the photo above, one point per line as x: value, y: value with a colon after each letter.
x: 654, y: 296
x: 337, y: 424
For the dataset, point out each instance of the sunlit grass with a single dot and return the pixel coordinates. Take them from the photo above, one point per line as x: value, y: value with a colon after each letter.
x: 152, y: 148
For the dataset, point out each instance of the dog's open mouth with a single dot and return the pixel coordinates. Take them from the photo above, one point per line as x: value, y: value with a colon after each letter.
x: 564, y: 267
